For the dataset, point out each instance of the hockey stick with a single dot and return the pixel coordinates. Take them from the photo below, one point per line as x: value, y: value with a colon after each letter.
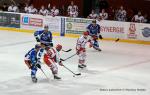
x: 77, y: 74
x: 116, y: 40
x: 66, y: 50
x: 44, y: 73
x: 68, y: 57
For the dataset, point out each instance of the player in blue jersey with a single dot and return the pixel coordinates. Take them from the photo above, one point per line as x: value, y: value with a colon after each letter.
x: 94, y: 33
x: 32, y: 63
x: 44, y: 37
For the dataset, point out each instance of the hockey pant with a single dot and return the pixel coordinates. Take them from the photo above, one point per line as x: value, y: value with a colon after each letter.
x: 82, y: 57
x: 94, y: 44
x: 52, y: 64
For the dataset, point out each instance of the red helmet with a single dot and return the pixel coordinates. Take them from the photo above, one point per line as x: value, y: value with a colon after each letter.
x: 86, y: 33
x: 58, y: 47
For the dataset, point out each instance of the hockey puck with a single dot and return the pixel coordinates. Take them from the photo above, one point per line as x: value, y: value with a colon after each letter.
x: 117, y: 40
x: 73, y: 75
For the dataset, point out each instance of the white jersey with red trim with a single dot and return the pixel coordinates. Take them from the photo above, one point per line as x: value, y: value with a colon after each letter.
x: 52, y: 53
x: 81, y: 42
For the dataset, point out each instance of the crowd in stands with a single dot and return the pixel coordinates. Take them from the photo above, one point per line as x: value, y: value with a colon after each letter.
x: 72, y: 11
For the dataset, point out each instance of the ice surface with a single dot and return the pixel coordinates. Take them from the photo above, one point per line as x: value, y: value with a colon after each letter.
x: 120, y: 69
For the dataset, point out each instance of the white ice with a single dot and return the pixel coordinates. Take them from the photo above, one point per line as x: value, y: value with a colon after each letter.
x: 120, y: 69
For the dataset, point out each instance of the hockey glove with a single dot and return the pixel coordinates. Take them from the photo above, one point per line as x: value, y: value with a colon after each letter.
x: 38, y: 65
x: 100, y: 37
x: 37, y: 39
x: 51, y: 44
x: 60, y: 63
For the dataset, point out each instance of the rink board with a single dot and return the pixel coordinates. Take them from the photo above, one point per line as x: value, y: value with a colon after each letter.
x: 73, y: 27
x: 77, y: 35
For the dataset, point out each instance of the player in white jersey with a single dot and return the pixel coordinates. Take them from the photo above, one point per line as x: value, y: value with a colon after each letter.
x: 80, y: 48
x: 51, y: 57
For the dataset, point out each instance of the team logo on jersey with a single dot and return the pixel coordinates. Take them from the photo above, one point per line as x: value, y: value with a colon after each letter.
x: 69, y: 26
x: 132, y: 31
x: 146, y: 32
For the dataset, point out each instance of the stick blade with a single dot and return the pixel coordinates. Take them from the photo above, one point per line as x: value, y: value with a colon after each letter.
x: 117, y: 40
x: 78, y: 74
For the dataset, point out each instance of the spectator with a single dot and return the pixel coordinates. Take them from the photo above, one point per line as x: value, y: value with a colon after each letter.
x: 63, y: 10
x: 13, y: 8
x: 121, y: 14
x: 43, y: 11
x: 10, y: 8
x: 138, y: 18
x: 103, y: 15
x: 111, y: 13
x: 32, y: 10
x: 49, y: 7
x: 145, y: 18
x: 26, y: 8
x: 93, y: 15
x: 4, y: 7
x: 130, y: 14
x: 54, y: 11
x: 72, y: 6
x: 73, y: 13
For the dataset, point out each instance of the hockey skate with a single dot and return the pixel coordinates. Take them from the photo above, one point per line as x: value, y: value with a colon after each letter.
x: 81, y: 66
x: 34, y: 79
x: 56, y: 77
x: 99, y: 49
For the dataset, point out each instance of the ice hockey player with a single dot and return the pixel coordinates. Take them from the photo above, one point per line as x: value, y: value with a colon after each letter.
x: 31, y: 61
x: 80, y: 49
x: 94, y: 33
x: 44, y: 37
x: 51, y: 57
